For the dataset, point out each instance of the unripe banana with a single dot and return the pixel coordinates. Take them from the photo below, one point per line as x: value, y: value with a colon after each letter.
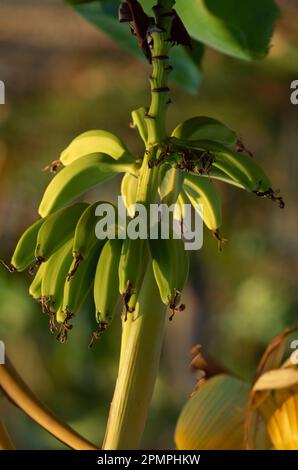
x: 80, y: 176
x: 170, y: 264
x: 54, y: 277
x: 85, y: 236
x: 139, y: 121
x: 215, y: 173
x: 205, y: 198
x: 106, y: 283
x: 206, y: 128
x: 92, y: 142
x: 77, y: 288
x: 170, y: 184
x: 132, y: 267
x: 129, y: 188
x: 24, y: 253
x: 35, y: 286
x: 57, y: 229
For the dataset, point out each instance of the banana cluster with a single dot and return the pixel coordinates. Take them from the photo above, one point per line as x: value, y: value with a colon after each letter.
x: 71, y: 264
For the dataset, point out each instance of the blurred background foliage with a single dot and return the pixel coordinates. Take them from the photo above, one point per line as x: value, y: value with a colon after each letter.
x: 63, y: 77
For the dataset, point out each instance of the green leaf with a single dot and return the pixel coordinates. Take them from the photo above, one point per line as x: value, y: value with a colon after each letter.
x: 239, y: 28
x: 104, y: 15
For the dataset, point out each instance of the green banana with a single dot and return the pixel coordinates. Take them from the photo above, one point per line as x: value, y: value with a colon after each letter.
x: 215, y: 173
x: 170, y: 264
x: 76, y: 291
x: 129, y: 188
x: 106, y: 285
x: 132, y: 267
x: 54, y: 277
x: 35, y: 286
x: 24, y: 253
x: 139, y: 122
x: 56, y: 230
x: 170, y: 184
x: 80, y: 176
x: 85, y: 236
x: 180, y: 206
x: 202, y: 127
x: 203, y: 192
x: 77, y: 288
x: 94, y: 141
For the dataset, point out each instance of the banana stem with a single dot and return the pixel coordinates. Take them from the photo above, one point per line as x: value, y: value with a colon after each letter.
x: 17, y: 391
x: 142, y: 338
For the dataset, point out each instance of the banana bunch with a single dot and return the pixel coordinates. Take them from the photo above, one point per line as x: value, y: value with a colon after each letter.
x: 72, y: 266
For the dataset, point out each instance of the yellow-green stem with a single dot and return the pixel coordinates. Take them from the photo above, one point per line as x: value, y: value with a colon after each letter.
x: 140, y: 353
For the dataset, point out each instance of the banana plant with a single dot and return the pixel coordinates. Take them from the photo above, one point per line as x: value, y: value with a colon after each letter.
x: 70, y: 264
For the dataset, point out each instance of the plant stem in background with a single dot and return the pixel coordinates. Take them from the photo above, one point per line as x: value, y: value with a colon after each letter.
x: 17, y: 391
x: 5, y: 441
x: 142, y: 333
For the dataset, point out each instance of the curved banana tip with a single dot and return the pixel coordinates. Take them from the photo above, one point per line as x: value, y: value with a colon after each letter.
x: 220, y: 241
x: 53, y: 167
x: 39, y: 260
x: 78, y: 260
x: 98, y: 332
x: 174, y: 304
x: 10, y: 267
x: 273, y: 196
x: 65, y: 327
x: 126, y: 297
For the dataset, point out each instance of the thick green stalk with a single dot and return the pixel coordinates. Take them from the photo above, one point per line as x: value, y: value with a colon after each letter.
x: 139, y: 360
x: 142, y: 333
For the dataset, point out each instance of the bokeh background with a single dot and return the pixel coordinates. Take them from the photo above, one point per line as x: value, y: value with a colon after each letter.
x: 63, y: 77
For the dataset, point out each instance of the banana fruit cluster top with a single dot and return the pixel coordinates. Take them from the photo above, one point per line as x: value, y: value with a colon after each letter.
x: 71, y: 264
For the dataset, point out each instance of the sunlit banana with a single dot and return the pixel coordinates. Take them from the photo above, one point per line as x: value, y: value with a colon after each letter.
x: 85, y: 237
x: 202, y: 127
x: 35, y: 286
x: 80, y: 176
x: 170, y: 184
x: 57, y: 229
x: 54, y: 277
x: 76, y: 291
x: 24, y: 253
x: 217, y: 174
x: 129, y: 188
x: 77, y: 288
x: 139, y: 122
x: 205, y: 198
x: 92, y: 142
x: 132, y: 268
x: 106, y: 285
x: 170, y: 264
